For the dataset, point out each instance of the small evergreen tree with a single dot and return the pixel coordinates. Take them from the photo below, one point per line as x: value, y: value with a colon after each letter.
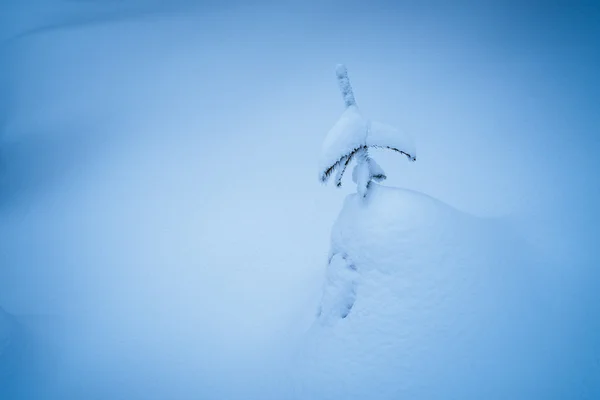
x: 352, y: 136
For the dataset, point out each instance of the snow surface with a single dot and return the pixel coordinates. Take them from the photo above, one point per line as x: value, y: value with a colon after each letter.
x: 433, y: 298
x: 184, y: 284
x: 339, y: 294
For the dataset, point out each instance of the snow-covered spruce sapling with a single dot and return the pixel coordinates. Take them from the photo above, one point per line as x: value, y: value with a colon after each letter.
x: 352, y: 136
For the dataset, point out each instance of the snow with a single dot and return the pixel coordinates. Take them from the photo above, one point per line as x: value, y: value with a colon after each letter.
x: 434, y: 297
x: 351, y: 133
x: 383, y: 135
x: 377, y: 173
x: 344, y: 82
x: 361, y: 175
x: 365, y: 171
x: 180, y: 283
x: 339, y: 293
x: 348, y: 134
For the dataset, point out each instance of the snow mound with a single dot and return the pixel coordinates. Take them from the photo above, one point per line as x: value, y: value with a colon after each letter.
x: 419, y: 299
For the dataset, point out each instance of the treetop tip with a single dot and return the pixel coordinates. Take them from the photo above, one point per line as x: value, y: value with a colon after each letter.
x: 341, y: 70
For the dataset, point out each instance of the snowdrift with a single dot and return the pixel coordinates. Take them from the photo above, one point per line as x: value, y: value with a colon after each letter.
x: 420, y: 299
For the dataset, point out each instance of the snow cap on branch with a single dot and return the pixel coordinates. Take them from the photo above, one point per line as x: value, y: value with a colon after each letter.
x: 352, y: 136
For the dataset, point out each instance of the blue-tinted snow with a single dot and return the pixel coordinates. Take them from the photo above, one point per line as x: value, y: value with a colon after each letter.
x: 162, y: 233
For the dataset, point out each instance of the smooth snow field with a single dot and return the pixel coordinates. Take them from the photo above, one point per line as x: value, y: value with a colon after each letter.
x: 164, y: 233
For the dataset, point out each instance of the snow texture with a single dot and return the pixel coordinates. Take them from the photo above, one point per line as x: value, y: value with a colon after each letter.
x: 339, y: 293
x: 433, y: 299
